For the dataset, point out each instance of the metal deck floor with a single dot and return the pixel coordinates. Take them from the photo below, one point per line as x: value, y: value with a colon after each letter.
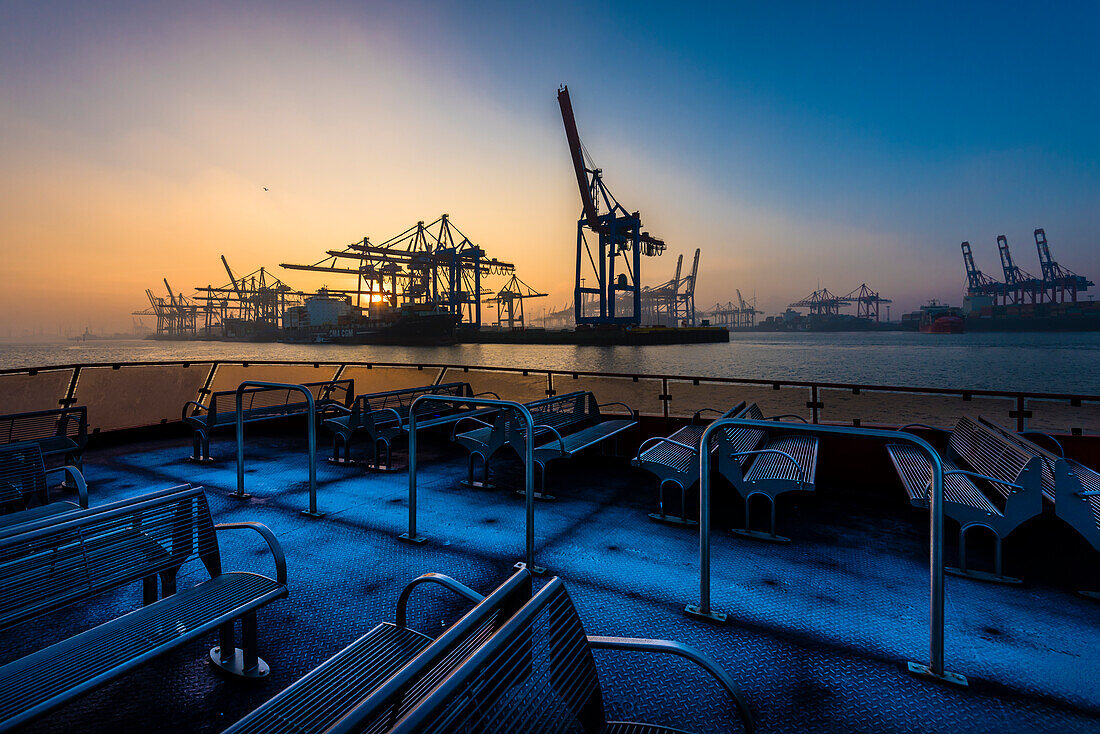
x: 820, y: 629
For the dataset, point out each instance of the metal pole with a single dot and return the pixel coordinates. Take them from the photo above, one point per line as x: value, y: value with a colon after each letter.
x: 935, y: 668
x: 528, y: 461
x: 311, y: 433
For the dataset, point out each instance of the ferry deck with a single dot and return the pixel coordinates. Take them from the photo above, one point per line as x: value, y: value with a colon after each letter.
x: 819, y: 630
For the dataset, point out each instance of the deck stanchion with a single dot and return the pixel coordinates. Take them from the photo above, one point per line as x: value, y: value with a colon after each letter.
x: 311, y: 433
x: 935, y: 667
x: 412, y: 536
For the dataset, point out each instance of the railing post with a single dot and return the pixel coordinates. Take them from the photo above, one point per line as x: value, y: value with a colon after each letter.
x: 311, y: 437
x: 935, y: 668
x: 528, y: 464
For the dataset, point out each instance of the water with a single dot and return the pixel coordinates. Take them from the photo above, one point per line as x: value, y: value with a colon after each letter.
x: 1046, y: 362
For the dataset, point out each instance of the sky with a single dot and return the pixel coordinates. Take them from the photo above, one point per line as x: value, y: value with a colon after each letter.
x: 798, y: 146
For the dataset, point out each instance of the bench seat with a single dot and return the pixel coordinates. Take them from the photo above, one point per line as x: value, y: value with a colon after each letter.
x: 323, y: 696
x: 774, y: 466
x: 915, y: 472
x: 747, y: 458
x: 40, y: 681
x: 582, y: 439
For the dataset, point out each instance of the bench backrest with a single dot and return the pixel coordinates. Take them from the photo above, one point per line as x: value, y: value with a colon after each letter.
x: 406, y: 688
x: 987, y: 452
x: 536, y: 673
x: 273, y: 402
x: 401, y: 401
x: 1048, y: 460
x: 561, y: 412
x: 41, y: 424
x: 59, y: 564
x: 22, y: 473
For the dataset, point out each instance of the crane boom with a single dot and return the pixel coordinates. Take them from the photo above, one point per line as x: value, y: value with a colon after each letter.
x: 232, y: 279
x: 573, y: 137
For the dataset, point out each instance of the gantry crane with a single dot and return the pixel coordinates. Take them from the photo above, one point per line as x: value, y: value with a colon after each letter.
x: 509, y: 303
x: 1058, y: 282
x: 1018, y: 283
x: 618, y: 234
x: 977, y: 282
x: 867, y: 302
x: 419, y: 268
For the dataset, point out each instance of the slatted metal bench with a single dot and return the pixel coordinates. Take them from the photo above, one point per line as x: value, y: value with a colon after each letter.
x: 384, y: 416
x: 987, y: 484
x: 25, y: 485
x: 674, y: 459
x: 489, y: 437
x: 538, y: 674
x: 68, y: 562
x: 260, y: 404
x: 758, y: 464
x: 568, y: 424
x: 58, y: 432
x: 373, y: 681
x: 1072, y: 487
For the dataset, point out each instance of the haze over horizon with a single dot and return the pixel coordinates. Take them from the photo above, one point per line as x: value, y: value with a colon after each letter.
x: 795, y: 146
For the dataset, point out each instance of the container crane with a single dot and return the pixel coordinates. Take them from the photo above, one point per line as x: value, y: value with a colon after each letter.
x: 1018, y: 282
x: 977, y: 282
x: 618, y: 233
x: 1057, y: 280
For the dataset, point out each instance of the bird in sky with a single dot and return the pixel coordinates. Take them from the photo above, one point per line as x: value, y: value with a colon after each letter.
x: 265, y: 188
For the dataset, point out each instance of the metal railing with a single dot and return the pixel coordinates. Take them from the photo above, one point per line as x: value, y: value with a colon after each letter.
x: 935, y: 667
x: 312, y: 433
x: 817, y: 399
x: 528, y: 466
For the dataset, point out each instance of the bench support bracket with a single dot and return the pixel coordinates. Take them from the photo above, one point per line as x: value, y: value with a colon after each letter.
x: 923, y: 671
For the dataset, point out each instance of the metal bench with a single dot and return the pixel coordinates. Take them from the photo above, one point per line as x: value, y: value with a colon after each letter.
x: 987, y: 484
x: 756, y: 464
x: 571, y: 423
x: 384, y: 416
x: 259, y: 404
x: 25, y: 485
x: 69, y: 562
x: 1072, y: 487
x: 674, y: 459
x: 538, y: 674
x: 58, y: 432
x: 489, y: 437
x: 373, y: 681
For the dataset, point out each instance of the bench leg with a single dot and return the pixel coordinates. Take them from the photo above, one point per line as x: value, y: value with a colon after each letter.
x: 470, y: 482
x: 168, y: 582
x: 200, y: 449
x: 235, y: 661
x: 660, y: 515
x: 997, y: 577
x: 748, y: 532
x: 149, y: 590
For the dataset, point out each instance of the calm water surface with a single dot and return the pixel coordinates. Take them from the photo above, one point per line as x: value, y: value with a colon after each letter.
x: 1030, y: 362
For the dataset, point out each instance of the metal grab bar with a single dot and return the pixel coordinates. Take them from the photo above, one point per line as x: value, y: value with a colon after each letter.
x: 431, y: 578
x: 198, y: 405
x: 935, y: 667
x: 240, y: 493
x: 663, y: 439
x: 801, y: 471
x: 628, y: 408
x: 454, y: 430
x: 976, y: 475
x: 700, y: 658
x: 561, y: 441
x: 528, y: 467
x: 71, y: 472
x: 1052, y: 439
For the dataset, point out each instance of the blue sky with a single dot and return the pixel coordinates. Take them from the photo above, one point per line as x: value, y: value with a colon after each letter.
x: 795, y: 145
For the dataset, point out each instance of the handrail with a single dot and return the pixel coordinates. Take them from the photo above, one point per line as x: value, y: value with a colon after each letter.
x: 272, y: 543
x: 663, y: 439
x: 312, y: 433
x: 74, y: 474
x: 801, y: 471
x: 976, y: 475
x: 616, y: 402
x: 454, y: 428
x: 528, y: 466
x: 557, y: 434
x: 700, y: 658
x: 431, y: 578
x: 785, y: 415
x: 935, y: 668
x: 1044, y: 434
